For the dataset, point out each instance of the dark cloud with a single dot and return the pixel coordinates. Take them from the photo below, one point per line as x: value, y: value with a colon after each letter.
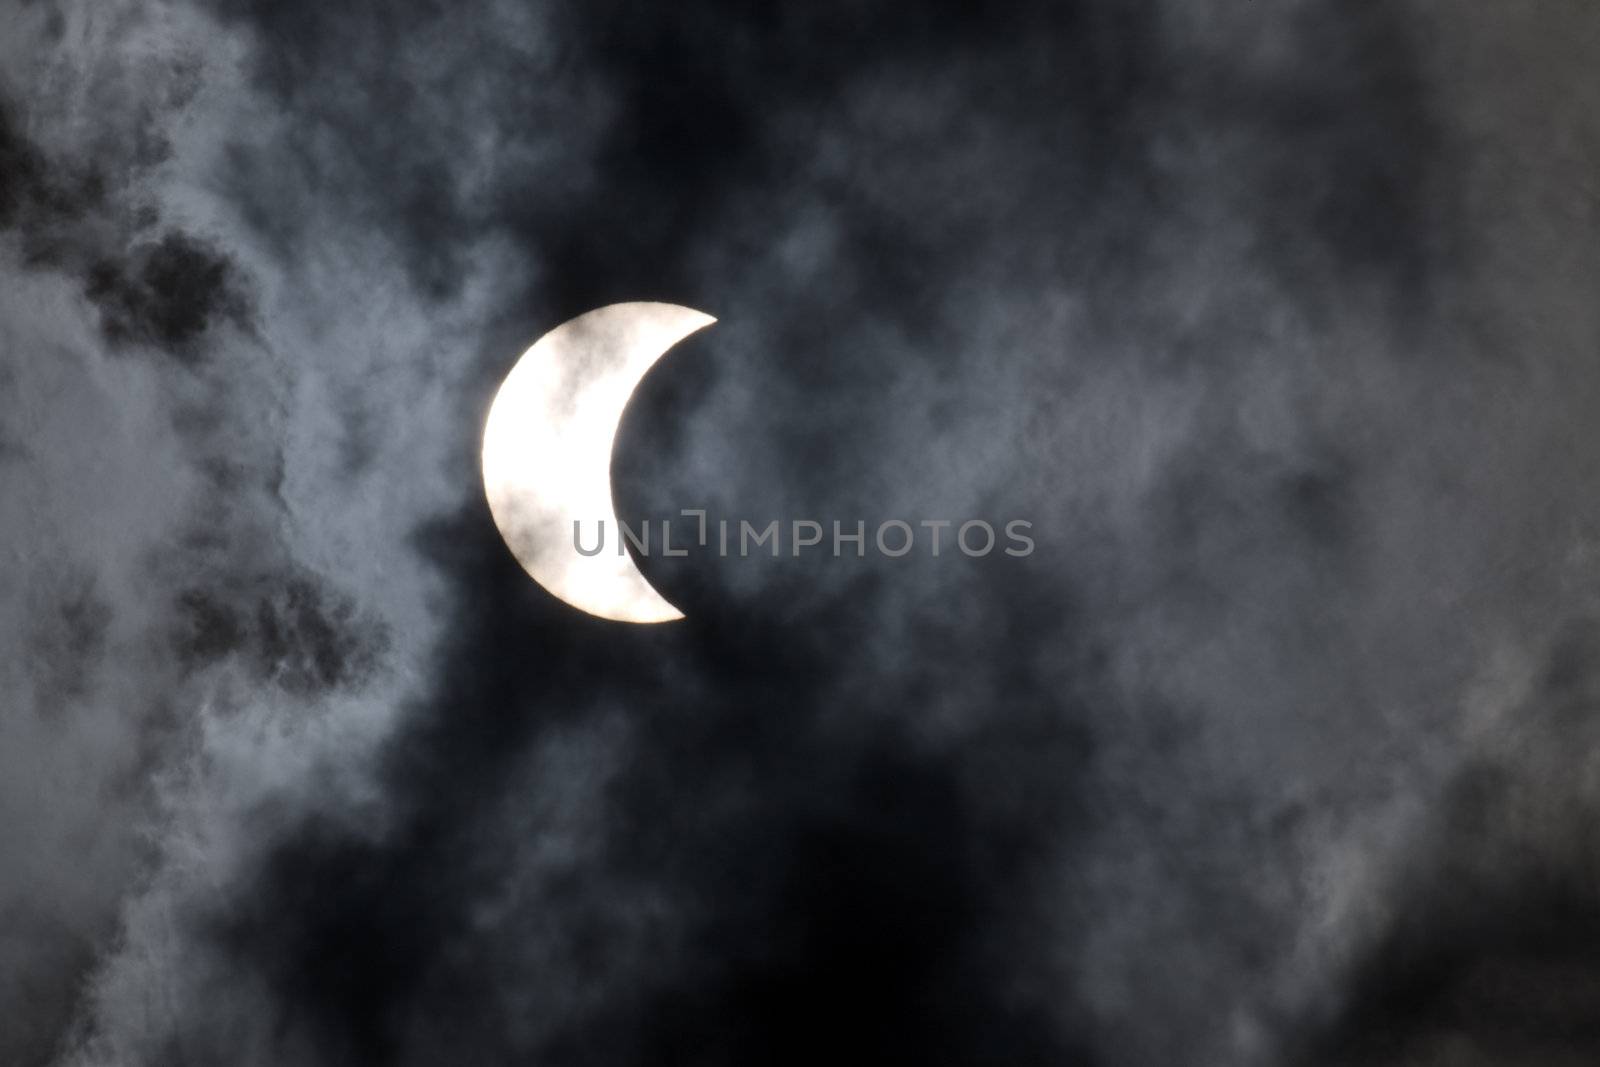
x: 86, y: 214
x: 1490, y: 955
x: 38, y: 199
x: 18, y: 169
x: 784, y: 840
x: 678, y: 112
x: 168, y: 294
x: 292, y: 629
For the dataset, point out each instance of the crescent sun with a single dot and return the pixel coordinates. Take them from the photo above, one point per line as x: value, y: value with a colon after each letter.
x: 547, y: 447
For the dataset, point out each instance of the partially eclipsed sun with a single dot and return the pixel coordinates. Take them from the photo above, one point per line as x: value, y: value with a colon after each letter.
x: 547, y: 451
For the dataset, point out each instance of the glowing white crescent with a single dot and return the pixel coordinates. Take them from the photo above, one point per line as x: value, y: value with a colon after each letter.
x: 547, y: 453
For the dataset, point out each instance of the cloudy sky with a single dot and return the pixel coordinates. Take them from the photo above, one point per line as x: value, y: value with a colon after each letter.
x: 1277, y: 321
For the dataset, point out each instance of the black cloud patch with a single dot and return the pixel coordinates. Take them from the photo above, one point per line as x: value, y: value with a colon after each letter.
x: 165, y: 291
x: 43, y: 200
x: 168, y: 293
x: 18, y: 169
x: 291, y: 629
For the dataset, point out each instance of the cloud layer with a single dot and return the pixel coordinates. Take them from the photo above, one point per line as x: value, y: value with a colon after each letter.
x: 1275, y: 323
